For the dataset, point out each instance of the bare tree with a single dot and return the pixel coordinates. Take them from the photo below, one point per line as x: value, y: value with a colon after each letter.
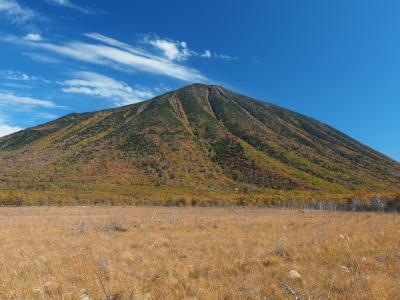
x: 379, y: 203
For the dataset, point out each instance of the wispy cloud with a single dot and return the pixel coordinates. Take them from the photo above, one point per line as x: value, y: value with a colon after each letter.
x: 162, y: 56
x: 94, y: 84
x: 117, y: 55
x: 209, y: 54
x: 14, y: 75
x: 11, y: 100
x: 71, y: 5
x: 14, y: 85
x: 45, y: 115
x: 224, y: 56
x: 31, y: 108
x: 20, y: 76
x: 118, y: 44
x: 15, y: 12
x: 42, y: 58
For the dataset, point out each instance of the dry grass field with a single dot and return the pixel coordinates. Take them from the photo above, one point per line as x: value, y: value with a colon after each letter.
x: 197, y: 253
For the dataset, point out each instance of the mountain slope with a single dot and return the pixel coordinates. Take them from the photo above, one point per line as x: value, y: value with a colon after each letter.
x: 199, y: 135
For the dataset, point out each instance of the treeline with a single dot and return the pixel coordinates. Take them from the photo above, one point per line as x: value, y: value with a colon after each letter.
x: 334, y: 202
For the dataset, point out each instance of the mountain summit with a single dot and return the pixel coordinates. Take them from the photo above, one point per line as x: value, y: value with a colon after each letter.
x: 198, y: 136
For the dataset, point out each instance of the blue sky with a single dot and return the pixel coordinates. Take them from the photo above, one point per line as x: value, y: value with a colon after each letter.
x: 337, y: 61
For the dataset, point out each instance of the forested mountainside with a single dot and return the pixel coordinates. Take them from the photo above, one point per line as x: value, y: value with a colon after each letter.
x: 198, y: 136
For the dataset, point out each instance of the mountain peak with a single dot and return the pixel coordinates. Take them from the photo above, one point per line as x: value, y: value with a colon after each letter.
x: 198, y: 85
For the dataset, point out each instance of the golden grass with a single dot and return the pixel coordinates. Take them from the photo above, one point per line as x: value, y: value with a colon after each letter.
x: 197, y: 253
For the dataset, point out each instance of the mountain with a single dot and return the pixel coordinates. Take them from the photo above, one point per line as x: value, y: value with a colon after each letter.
x: 198, y: 137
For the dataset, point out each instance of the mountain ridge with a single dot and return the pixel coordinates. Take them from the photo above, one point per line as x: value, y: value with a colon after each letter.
x: 199, y: 135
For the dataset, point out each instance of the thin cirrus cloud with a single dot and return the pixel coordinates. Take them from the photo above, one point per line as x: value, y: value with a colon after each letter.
x: 208, y: 54
x: 16, y: 13
x: 14, y: 75
x: 9, y: 76
x: 23, y: 102
x: 117, y: 55
x: 18, y: 76
x: 71, y: 5
x: 94, y: 84
x: 45, y: 115
x: 41, y: 58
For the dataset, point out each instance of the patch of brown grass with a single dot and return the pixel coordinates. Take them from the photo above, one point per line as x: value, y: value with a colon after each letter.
x: 197, y: 253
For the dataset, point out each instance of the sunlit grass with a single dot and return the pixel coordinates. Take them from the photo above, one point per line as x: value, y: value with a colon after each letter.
x: 197, y: 253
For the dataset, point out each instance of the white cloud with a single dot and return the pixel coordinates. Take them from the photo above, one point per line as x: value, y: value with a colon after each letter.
x: 70, y: 4
x: 6, y: 129
x: 11, y: 100
x: 179, y: 51
x: 172, y: 50
x: 206, y: 53
x: 13, y: 11
x: 94, y: 84
x: 117, y: 55
x: 33, y: 37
